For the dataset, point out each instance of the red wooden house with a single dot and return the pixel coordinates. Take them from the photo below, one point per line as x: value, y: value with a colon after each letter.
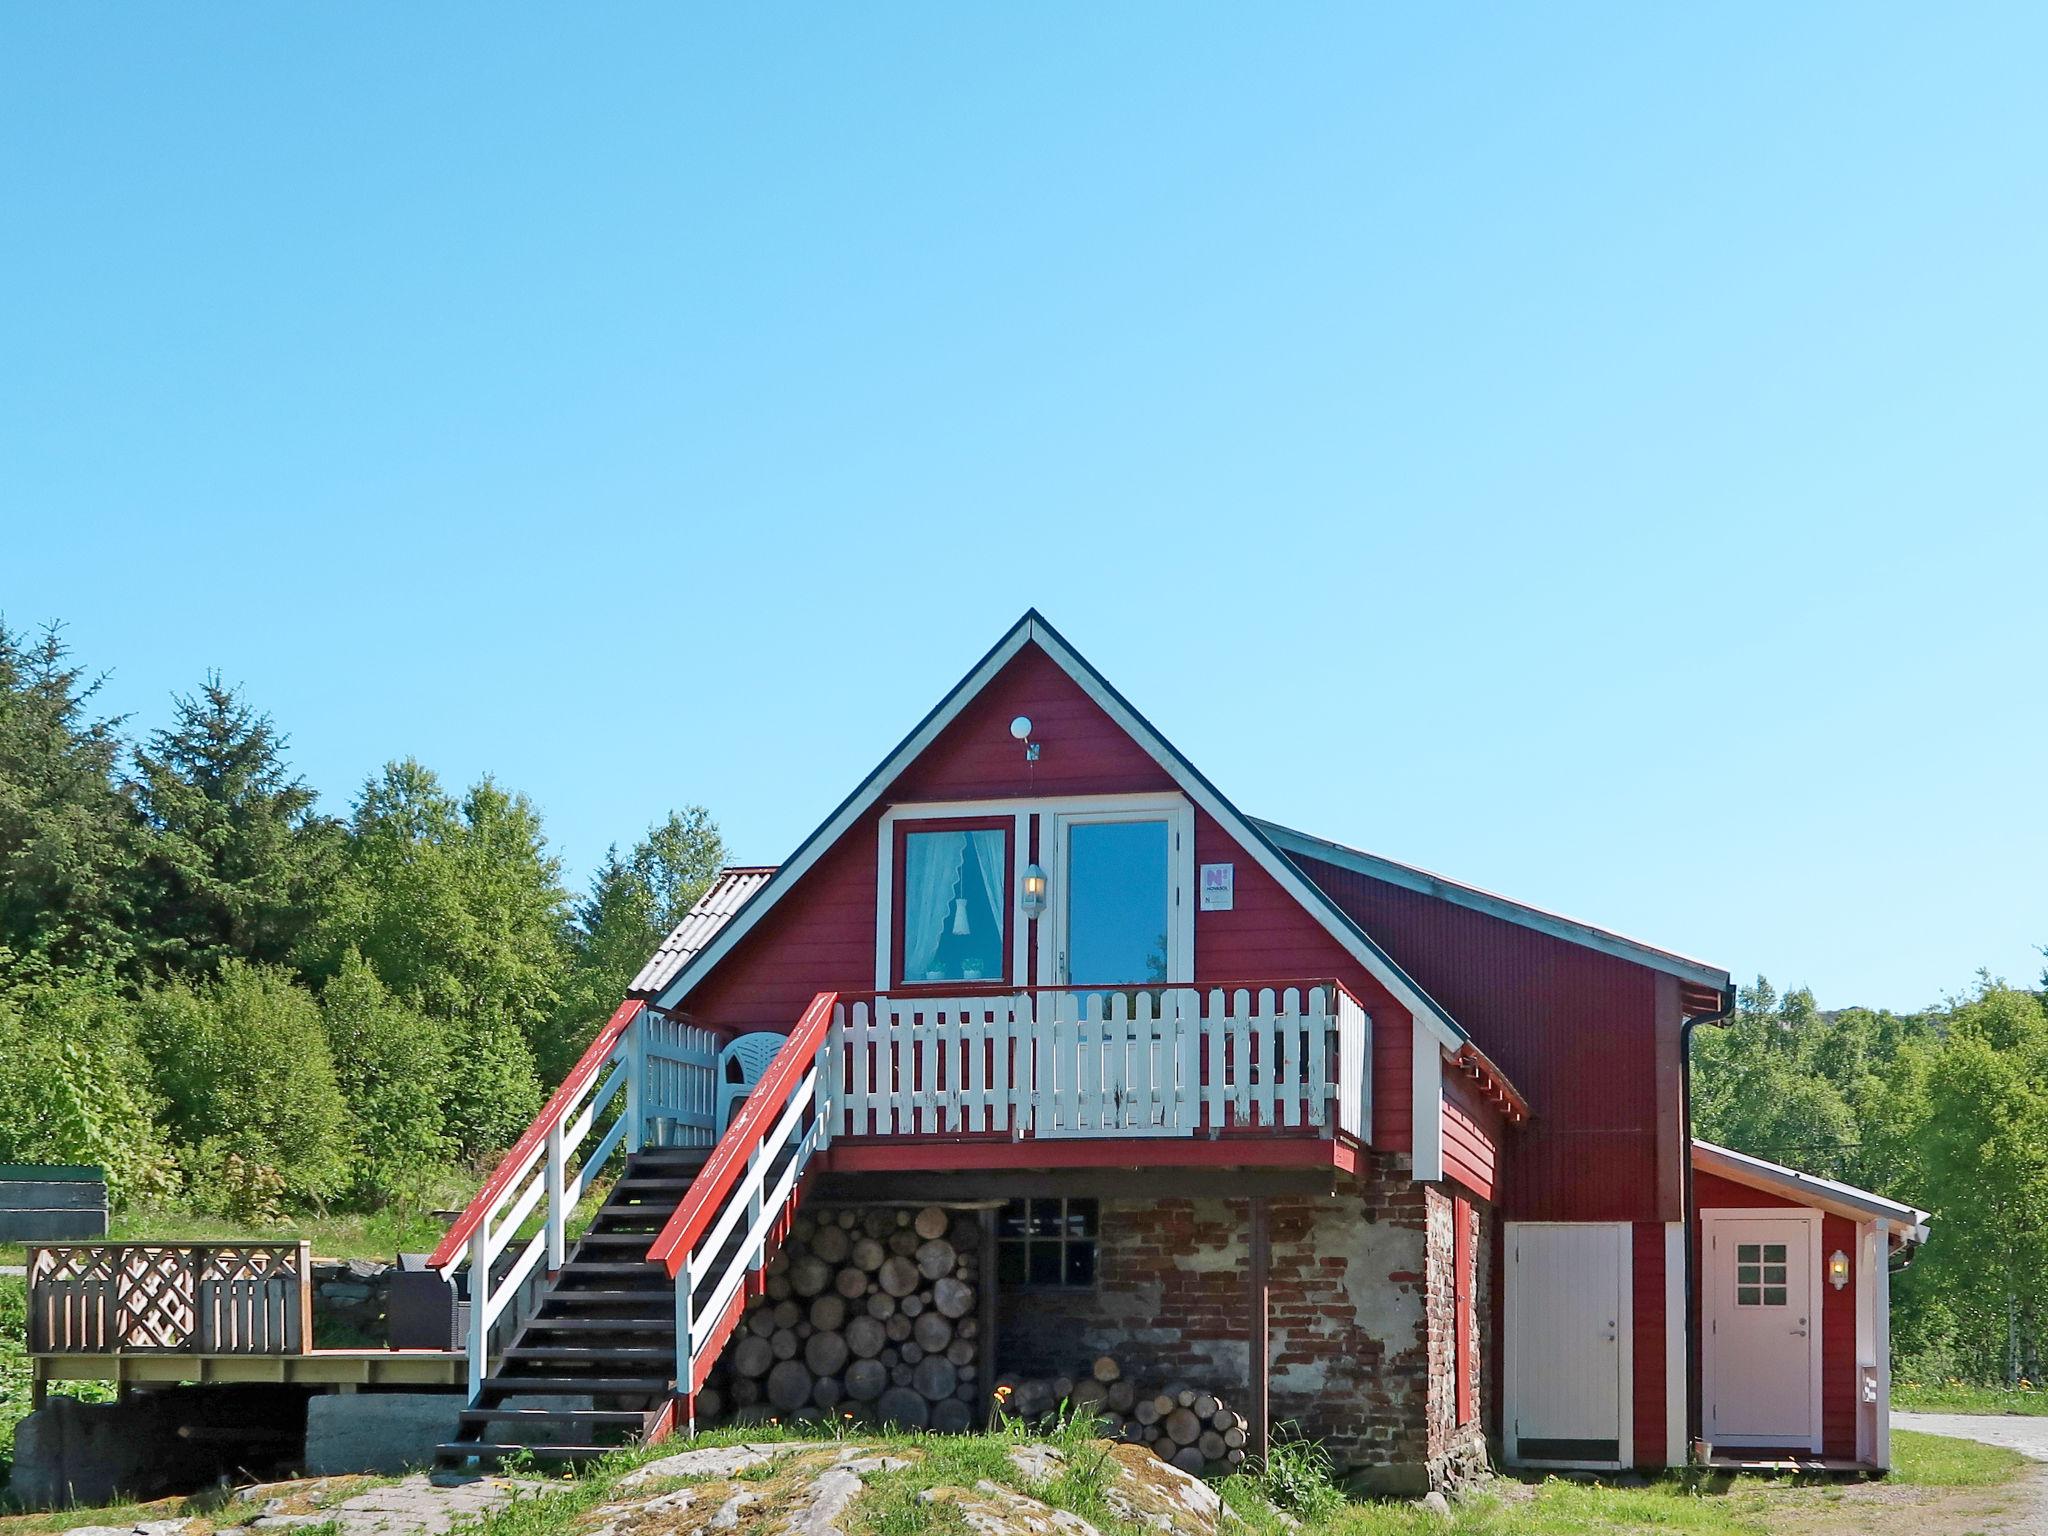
x: 1254, y: 1113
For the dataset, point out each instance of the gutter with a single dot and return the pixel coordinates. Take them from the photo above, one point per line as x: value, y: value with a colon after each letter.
x: 1693, y: 1427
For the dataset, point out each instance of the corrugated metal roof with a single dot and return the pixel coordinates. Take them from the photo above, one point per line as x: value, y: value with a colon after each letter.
x: 733, y: 889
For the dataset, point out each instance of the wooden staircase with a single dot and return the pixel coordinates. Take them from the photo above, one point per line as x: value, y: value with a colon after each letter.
x: 604, y: 1331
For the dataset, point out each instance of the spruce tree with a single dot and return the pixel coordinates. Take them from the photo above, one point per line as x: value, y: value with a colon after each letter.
x: 238, y: 856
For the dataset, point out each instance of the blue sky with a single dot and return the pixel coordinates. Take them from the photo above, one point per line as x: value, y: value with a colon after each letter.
x: 1595, y: 451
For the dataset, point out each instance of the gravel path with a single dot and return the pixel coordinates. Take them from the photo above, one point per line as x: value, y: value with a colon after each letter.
x: 2015, y: 1431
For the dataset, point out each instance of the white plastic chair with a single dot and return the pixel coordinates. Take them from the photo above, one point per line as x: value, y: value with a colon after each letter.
x: 740, y: 1066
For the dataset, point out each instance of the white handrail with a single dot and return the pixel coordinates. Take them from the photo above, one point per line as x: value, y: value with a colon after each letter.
x: 553, y: 1172
x: 1082, y: 1062
x: 800, y: 1132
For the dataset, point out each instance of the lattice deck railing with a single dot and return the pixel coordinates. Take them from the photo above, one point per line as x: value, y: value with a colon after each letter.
x: 170, y: 1298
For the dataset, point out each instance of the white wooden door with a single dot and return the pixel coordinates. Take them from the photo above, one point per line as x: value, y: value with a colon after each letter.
x: 1568, y: 1316
x: 1763, y: 1330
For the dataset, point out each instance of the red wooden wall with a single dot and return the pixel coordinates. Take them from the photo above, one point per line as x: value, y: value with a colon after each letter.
x: 1574, y: 1029
x: 821, y: 935
x: 1837, y: 1308
x: 1646, y: 1339
x: 1472, y: 1133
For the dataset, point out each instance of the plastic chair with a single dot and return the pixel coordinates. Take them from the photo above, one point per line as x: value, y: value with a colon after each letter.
x: 740, y: 1066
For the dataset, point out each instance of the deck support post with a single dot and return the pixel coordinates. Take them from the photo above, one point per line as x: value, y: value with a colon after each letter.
x: 1258, y: 1408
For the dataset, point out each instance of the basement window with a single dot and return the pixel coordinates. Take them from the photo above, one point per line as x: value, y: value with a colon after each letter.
x: 1760, y: 1274
x: 1047, y: 1243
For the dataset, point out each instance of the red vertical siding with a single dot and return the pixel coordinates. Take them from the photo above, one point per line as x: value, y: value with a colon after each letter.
x: 1268, y: 933
x: 1647, y: 1341
x: 1574, y: 1029
x: 1837, y: 1308
x: 1838, y: 1343
x: 1472, y: 1132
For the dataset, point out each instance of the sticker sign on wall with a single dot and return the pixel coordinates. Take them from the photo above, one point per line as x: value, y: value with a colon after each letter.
x: 1219, y: 887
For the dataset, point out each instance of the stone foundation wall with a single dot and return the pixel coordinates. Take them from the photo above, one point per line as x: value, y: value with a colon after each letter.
x: 1360, y: 1317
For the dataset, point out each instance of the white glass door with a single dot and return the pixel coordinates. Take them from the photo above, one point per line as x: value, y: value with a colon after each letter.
x: 1119, y: 899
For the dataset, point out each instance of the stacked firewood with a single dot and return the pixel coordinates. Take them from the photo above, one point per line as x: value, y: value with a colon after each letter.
x: 870, y: 1314
x: 1188, y: 1426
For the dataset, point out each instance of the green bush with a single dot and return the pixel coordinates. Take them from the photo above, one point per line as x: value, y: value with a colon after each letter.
x: 78, y: 1090
x: 243, y: 1065
x: 391, y: 1065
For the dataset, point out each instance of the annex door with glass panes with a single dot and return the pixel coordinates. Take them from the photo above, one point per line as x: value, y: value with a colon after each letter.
x: 1762, y: 1317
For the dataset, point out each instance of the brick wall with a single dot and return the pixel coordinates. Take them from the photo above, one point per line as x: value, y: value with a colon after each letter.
x: 1360, y: 1314
x: 1457, y: 1452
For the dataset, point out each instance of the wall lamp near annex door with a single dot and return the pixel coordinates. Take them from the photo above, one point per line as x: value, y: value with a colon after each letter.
x: 1838, y: 1269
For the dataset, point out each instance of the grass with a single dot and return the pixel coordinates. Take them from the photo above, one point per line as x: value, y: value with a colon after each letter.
x: 1688, y: 1504
x: 1941, y: 1461
x: 1961, y: 1397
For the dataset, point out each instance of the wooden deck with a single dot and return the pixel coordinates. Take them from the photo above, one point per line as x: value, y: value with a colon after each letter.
x: 339, y: 1368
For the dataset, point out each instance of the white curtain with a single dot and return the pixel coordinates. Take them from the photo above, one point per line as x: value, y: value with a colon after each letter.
x: 932, y: 873
x: 988, y: 853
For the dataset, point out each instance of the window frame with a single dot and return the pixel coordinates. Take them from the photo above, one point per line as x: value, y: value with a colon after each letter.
x: 901, y: 832
x: 1033, y: 945
x: 1063, y: 1241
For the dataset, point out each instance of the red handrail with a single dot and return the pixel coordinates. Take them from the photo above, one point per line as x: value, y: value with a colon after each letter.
x: 536, y: 1134
x: 756, y: 1116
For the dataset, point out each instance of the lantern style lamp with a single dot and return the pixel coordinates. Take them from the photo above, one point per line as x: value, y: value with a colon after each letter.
x: 1838, y: 1269
x: 1034, y: 892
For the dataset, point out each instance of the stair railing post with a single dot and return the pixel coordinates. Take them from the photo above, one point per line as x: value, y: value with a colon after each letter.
x: 685, y: 1349
x: 558, y: 1218
x: 635, y: 1045
x: 757, y: 1249
x: 479, y: 1308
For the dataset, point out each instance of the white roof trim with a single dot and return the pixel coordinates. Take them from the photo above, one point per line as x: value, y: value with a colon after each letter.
x: 1810, y: 1189
x: 850, y: 810
x: 1033, y: 629
x: 1409, y: 877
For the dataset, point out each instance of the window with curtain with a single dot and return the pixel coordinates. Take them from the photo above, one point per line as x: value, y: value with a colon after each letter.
x: 952, y: 902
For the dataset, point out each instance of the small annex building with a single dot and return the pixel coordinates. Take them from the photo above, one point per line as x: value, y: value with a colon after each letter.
x: 1793, y: 1313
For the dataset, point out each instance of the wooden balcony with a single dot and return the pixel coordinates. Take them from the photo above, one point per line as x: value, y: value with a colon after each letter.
x: 1260, y: 1073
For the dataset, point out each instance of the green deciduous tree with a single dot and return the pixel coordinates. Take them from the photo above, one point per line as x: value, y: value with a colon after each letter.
x: 391, y: 1065
x: 78, y: 1088
x: 456, y: 904
x: 633, y: 904
x: 243, y: 1065
x: 238, y: 857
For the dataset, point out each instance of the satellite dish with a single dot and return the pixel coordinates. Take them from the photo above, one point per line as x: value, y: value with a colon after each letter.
x: 1021, y: 727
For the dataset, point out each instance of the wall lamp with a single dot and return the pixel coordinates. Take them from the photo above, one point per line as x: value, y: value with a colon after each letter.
x: 1034, y: 892
x: 1838, y: 1269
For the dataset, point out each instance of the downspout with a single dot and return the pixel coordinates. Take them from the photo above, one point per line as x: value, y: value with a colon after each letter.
x: 1692, y: 1257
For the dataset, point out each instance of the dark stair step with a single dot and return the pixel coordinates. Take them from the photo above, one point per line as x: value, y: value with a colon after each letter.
x: 596, y: 1354
x: 603, y: 1324
x: 635, y: 1184
x: 633, y: 1417
x: 600, y: 1386
x: 612, y: 1298
x: 619, y: 1239
x: 610, y: 1269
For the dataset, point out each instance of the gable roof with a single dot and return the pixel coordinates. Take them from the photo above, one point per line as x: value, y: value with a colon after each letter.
x: 1409, y: 877
x: 731, y: 889
x: 1810, y: 1189
x: 1032, y: 629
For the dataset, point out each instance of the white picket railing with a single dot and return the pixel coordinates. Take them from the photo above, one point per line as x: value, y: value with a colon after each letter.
x: 1164, y: 1061
x: 668, y: 1072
